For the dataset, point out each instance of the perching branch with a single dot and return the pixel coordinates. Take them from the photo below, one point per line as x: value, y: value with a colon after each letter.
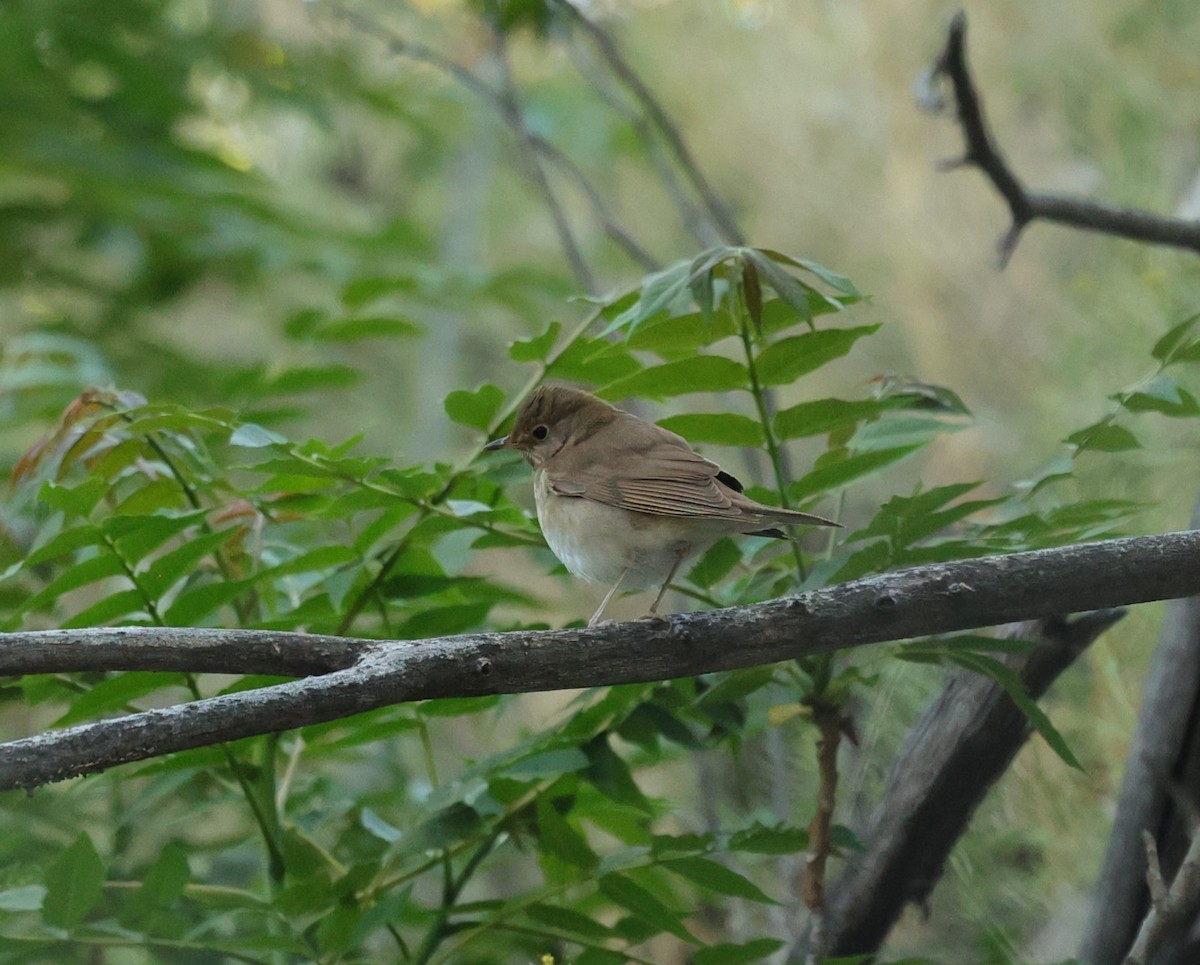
x: 939, y: 598
x: 1027, y: 205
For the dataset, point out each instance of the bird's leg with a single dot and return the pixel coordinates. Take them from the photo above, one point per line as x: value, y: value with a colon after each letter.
x: 608, y: 596
x: 683, y: 550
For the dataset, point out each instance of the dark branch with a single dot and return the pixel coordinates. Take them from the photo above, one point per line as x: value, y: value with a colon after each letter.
x: 961, y: 745
x: 1027, y: 205
x: 922, y: 600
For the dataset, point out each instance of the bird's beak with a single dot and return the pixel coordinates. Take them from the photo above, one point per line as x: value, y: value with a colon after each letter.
x: 496, y: 444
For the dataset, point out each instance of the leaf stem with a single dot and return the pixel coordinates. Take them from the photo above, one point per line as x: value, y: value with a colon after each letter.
x: 737, y: 306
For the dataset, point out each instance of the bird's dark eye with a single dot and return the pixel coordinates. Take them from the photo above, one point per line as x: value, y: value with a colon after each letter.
x: 540, y: 433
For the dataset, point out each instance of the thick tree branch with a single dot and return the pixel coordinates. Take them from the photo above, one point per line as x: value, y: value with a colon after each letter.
x: 960, y: 746
x: 1026, y: 205
x: 922, y: 600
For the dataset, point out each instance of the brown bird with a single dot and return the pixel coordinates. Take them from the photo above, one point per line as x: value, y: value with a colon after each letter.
x: 624, y: 502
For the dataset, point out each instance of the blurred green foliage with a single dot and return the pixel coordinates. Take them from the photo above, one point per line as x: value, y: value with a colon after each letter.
x: 265, y: 294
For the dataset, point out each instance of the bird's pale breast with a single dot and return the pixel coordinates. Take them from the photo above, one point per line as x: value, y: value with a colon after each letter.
x: 597, y: 542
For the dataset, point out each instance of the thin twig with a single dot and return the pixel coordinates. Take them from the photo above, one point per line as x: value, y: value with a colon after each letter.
x: 1027, y: 205
x: 829, y: 722
x: 510, y: 106
x: 693, y: 220
x: 420, y: 53
x: 1170, y: 907
x: 658, y: 117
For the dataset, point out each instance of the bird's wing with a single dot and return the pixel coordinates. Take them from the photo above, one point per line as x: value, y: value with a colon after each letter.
x: 642, y: 467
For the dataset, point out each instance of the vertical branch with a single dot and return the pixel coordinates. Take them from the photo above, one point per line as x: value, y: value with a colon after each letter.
x: 831, y: 726
x: 511, y: 109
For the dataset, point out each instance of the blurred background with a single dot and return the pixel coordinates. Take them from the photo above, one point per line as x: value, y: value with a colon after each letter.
x: 190, y: 189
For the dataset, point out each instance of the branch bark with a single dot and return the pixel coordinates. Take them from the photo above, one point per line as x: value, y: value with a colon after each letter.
x: 939, y: 598
x: 963, y: 742
x: 1026, y: 205
x: 1159, y: 754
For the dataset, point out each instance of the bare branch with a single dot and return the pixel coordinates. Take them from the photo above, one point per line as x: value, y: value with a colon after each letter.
x: 1170, y: 908
x: 1026, y: 205
x: 532, y: 144
x: 938, y: 598
x: 960, y: 746
x: 658, y: 117
x: 510, y: 107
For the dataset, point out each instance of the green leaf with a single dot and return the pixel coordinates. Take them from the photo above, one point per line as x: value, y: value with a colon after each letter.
x: 610, y: 775
x: 74, y: 882
x: 1103, y: 437
x: 703, y: 290
x: 835, y: 281
x: 81, y: 574
x: 363, y: 290
x: 593, y: 361
x: 825, y: 415
x: 896, y: 432
x: 535, y: 349
x: 782, y: 362
x: 64, y: 542
x: 357, y: 329
x: 752, y: 294
x: 728, y: 953
x: 476, y: 408
x: 161, y: 573
x: 22, y: 898
x: 251, y: 436
x: 136, y: 536
x: 716, y: 877
x: 636, y: 899
x: 568, y: 922
x: 700, y: 373
x: 1163, y: 395
x: 164, y: 882
x: 111, y: 607
x: 830, y: 474
x: 115, y: 693
x: 558, y: 838
x: 192, y: 606
x: 313, y: 378
x: 549, y: 763
x: 322, y: 558
x: 1180, y: 344
x: 722, y: 429
x: 1015, y: 687
x: 77, y: 500
x: 661, y: 291
x: 380, y: 828
x: 793, y: 292
x: 681, y: 335
x: 716, y: 564
x: 759, y: 839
